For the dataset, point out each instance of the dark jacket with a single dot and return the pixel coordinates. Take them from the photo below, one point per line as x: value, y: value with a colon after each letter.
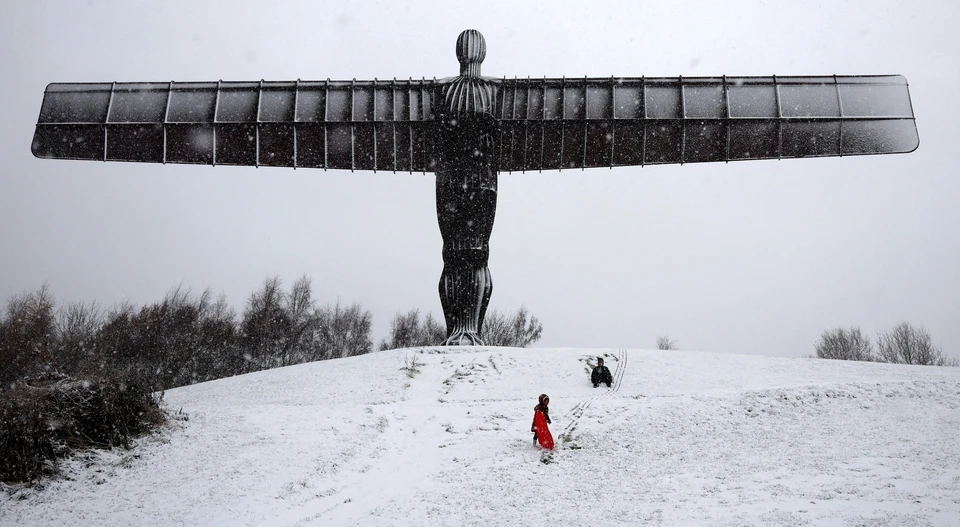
x: 601, y: 374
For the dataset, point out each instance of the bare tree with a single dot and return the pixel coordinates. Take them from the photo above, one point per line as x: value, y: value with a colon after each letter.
x: 666, y: 343
x: 433, y: 331
x: 905, y: 344
x: 496, y: 329
x: 164, y: 344
x: 518, y: 330
x: 404, y: 329
x: 115, y: 342
x: 265, y: 327
x: 407, y: 330
x: 341, y: 331
x: 77, y: 326
x: 844, y: 344
x: 300, y: 313
x: 25, y: 335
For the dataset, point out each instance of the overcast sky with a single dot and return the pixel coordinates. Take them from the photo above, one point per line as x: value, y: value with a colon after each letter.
x: 748, y: 257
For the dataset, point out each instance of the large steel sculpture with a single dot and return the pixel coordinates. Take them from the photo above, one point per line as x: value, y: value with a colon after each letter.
x: 468, y: 128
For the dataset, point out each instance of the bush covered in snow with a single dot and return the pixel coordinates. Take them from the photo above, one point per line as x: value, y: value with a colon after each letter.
x: 48, y: 417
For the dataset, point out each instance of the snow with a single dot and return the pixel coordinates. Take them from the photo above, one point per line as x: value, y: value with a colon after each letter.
x: 681, y: 438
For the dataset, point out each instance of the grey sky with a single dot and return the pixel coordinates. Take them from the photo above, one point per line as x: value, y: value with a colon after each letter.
x: 751, y: 257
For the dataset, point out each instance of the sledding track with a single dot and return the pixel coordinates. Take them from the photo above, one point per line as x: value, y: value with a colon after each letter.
x: 573, y: 416
x: 621, y: 368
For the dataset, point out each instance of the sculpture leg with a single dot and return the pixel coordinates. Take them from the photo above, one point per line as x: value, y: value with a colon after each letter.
x: 466, y: 284
x: 464, y: 294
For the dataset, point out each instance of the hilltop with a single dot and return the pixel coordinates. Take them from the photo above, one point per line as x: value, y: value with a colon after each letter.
x: 440, y: 436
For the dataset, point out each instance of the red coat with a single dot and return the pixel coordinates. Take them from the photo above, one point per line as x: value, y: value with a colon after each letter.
x: 546, y: 415
x: 541, y: 430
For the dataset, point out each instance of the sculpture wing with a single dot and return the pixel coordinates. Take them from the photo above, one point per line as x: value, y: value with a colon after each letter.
x: 551, y: 124
x: 355, y: 125
x: 546, y: 124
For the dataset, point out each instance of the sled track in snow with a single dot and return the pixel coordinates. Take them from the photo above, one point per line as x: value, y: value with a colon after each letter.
x: 578, y: 410
x: 621, y: 368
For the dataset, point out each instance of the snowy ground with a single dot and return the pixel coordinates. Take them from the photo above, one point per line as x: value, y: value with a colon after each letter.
x: 681, y: 438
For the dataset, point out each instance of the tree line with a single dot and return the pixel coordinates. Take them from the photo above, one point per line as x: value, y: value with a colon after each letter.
x: 187, y: 338
x: 903, y: 344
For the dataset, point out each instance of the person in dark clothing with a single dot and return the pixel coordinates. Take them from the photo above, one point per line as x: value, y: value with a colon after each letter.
x: 543, y: 407
x: 601, y: 374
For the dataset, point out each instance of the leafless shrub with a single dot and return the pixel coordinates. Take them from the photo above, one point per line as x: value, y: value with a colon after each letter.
x: 844, y: 344
x: 265, y: 327
x: 517, y: 330
x: 183, y: 339
x: 341, y: 331
x: 281, y: 329
x: 666, y: 343
x: 26, y: 331
x: 77, y: 325
x: 49, y: 417
x: 408, y: 330
x: 905, y: 344
x: 411, y: 365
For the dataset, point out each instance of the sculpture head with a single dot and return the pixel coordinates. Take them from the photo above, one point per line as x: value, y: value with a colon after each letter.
x: 471, y: 50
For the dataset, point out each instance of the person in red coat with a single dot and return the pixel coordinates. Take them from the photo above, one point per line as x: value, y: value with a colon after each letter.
x: 543, y: 408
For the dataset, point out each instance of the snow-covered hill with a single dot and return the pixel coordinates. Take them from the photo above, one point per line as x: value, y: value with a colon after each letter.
x: 681, y: 438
